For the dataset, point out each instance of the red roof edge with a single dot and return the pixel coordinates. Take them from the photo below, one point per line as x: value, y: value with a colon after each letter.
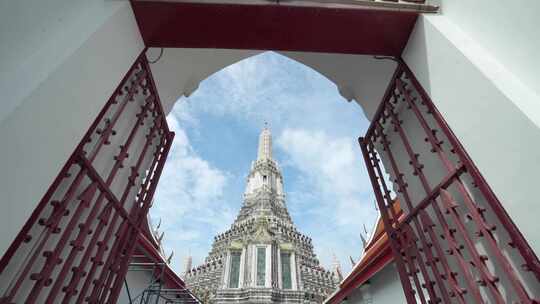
x: 377, y: 254
x: 360, y: 276
x: 172, y: 280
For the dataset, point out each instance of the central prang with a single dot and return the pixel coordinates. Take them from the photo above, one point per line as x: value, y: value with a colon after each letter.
x: 262, y: 258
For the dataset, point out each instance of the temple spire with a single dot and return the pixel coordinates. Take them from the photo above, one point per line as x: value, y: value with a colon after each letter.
x: 336, y: 268
x: 265, y: 144
x: 188, y: 263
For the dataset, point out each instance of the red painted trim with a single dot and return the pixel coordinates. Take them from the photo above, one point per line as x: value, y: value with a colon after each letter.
x: 273, y: 27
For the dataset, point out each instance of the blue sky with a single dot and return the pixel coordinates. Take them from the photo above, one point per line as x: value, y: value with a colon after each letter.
x: 314, y: 134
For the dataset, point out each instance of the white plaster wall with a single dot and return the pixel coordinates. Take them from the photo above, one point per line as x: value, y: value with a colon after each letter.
x: 382, y: 288
x: 484, y: 100
x: 179, y: 71
x: 46, y: 108
x: 137, y: 282
x: 355, y: 297
x: 385, y: 286
x: 357, y: 77
x: 508, y: 29
x: 38, y: 36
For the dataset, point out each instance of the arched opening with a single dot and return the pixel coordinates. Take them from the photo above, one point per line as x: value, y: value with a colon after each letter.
x: 314, y: 131
x: 430, y: 64
x: 179, y: 72
x: 398, y: 113
x: 406, y: 153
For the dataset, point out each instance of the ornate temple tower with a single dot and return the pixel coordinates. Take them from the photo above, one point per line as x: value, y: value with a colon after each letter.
x: 262, y: 258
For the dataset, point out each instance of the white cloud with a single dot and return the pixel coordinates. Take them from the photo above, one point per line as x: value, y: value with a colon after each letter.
x: 333, y: 164
x: 257, y: 89
x: 188, y: 200
x: 334, y: 173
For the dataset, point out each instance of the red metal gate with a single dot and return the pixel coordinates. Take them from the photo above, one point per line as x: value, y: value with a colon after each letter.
x: 77, y: 244
x: 454, y: 243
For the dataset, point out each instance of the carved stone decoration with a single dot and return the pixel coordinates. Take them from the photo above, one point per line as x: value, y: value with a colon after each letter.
x: 262, y: 234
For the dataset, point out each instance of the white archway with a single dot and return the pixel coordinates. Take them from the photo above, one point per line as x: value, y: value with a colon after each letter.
x: 490, y: 110
x: 179, y: 71
x: 47, y: 115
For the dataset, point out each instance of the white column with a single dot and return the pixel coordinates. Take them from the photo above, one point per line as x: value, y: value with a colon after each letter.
x: 242, y: 266
x: 253, y: 265
x: 293, y: 271
x: 279, y: 186
x: 268, y: 268
x: 226, y: 270
x: 280, y: 282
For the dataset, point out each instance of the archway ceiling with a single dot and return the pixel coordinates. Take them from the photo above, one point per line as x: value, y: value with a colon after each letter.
x: 357, y: 77
x: 262, y: 25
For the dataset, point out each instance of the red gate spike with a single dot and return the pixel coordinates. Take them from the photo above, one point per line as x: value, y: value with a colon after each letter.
x: 103, y: 217
x: 408, y: 259
x: 88, y: 194
x: 108, y: 234
x: 110, y: 122
x: 77, y: 245
x: 448, y: 200
x: 460, y: 260
x: 59, y: 211
x: 103, y: 248
x: 430, y: 262
x: 412, y: 271
x: 486, y: 275
x: 402, y: 271
x: 133, y: 176
x: 429, y: 256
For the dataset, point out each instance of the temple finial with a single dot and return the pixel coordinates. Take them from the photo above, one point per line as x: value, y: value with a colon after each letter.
x: 336, y: 268
x: 265, y: 143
